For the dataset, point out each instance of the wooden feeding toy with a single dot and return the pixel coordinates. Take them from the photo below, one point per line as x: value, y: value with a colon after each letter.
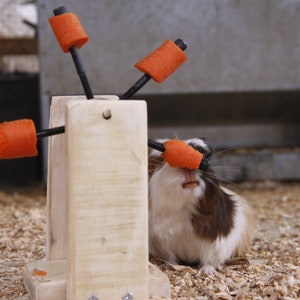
x: 97, y: 188
x: 97, y: 241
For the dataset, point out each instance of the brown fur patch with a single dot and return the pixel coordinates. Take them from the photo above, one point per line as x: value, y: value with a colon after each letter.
x: 154, y: 162
x: 215, y: 212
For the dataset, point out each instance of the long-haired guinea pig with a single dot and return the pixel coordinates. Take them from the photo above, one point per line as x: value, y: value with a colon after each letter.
x: 193, y: 220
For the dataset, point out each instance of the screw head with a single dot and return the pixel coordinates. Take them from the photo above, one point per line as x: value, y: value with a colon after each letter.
x: 127, y: 296
x: 106, y: 114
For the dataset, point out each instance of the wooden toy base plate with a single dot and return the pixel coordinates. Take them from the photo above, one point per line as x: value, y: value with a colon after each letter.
x: 53, y: 284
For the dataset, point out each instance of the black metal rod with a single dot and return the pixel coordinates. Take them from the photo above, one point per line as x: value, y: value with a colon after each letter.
x: 181, y: 44
x: 81, y: 72
x: 136, y: 87
x: 156, y: 145
x: 51, y: 131
x: 60, y: 10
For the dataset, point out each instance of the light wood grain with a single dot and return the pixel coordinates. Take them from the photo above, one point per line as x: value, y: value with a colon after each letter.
x: 107, y: 207
x: 56, y: 186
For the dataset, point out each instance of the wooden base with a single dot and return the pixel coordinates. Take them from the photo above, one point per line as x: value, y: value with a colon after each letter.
x: 53, y: 284
x: 48, y: 287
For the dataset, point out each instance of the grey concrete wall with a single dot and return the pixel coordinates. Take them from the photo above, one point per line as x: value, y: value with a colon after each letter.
x: 232, y: 44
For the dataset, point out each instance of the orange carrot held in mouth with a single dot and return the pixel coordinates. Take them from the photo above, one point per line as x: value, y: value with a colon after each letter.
x: 178, y: 154
x: 18, y: 139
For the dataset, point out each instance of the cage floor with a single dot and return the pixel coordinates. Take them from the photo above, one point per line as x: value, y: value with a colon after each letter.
x: 271, y: 269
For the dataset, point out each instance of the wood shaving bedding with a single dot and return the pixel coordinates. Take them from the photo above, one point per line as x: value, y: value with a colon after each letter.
x: 271, y: 269
x: 22, y: 236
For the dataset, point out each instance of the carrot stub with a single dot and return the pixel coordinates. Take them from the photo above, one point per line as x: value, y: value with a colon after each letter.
x: 17, y: 139
x: 162, y: 62
x: 178, y: 154
x: 68, y: 31
x: 37, y: 272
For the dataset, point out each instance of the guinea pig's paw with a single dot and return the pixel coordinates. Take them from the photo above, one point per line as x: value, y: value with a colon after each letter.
x: 207, y: 270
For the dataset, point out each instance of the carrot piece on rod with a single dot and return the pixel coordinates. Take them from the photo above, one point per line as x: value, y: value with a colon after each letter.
x: 68, y: 31
x: 162, y: 62
x: 146, y: 77
x: 18, y: 139
x: 179, y: 154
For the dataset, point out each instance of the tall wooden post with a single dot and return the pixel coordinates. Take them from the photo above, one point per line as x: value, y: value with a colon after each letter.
x: 107, y: 193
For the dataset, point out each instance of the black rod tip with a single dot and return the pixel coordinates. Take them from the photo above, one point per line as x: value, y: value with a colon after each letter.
x: 60, y: 10
x: 181, y: 44
x: 156, y: 145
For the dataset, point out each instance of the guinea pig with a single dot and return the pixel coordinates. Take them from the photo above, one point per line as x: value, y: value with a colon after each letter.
x: 193, y: 220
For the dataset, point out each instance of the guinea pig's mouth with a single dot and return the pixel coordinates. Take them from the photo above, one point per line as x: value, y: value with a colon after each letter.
x: 190, y: 179
x: 190, y: 184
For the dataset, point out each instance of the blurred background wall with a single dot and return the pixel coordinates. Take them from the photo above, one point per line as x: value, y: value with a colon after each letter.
x: 239, y: 87
x: 19, y: 81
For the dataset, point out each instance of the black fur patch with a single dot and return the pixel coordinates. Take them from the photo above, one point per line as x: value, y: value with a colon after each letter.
x: 192, y: 264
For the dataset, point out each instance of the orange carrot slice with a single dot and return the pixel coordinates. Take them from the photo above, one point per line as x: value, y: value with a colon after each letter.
x: 17, y: 139
x: 162, y: 62
x: 179, y: 154
x: 68, y: 31
x: 37, y: 272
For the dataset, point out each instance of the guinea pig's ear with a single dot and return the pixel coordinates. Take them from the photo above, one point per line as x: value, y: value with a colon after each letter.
x: 155, y: 161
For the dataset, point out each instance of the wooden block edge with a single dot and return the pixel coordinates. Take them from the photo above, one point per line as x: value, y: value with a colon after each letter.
x: 159, y: 284
x: 50, y: 286
x: 39, y: 288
